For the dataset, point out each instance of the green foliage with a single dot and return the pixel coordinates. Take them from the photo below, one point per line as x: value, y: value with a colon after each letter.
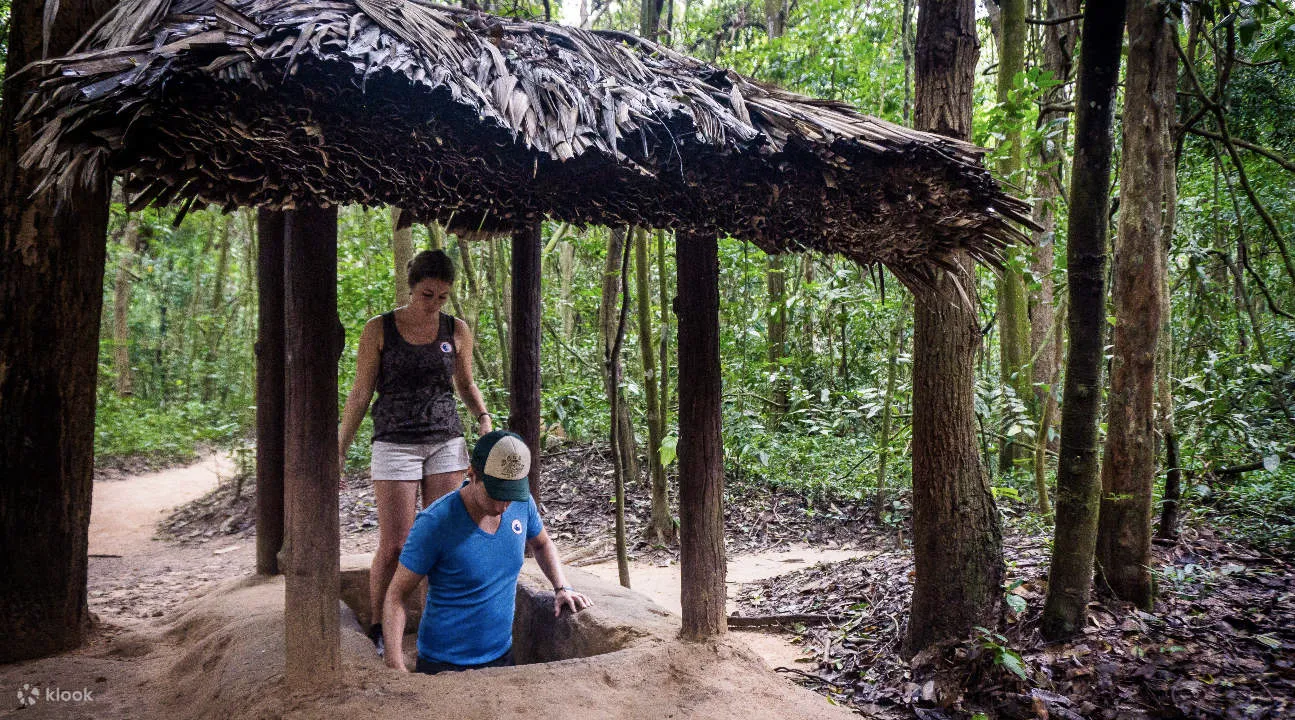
x: 4, y: 35
x: 131, y: 427
x: 836, y: 49
x: 1231, y: 374
x: 1259, y: 508
x: 1001, y: 653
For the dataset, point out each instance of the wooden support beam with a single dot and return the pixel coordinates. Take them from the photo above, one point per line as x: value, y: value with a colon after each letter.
x: 701, y: 445
x: 524, y: 385
x: 313, y: 344
x: 269, y: 391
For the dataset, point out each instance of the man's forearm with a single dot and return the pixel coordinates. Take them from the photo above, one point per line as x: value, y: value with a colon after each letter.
x: 393, y: 632
x: 546, y: 556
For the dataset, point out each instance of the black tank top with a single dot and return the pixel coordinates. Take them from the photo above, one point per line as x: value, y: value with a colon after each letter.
x: 416, y: 387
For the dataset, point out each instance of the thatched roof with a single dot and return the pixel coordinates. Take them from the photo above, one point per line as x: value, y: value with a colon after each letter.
x: 484, y: 122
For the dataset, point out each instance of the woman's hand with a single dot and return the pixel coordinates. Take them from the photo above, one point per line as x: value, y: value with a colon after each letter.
x: 485, y: 424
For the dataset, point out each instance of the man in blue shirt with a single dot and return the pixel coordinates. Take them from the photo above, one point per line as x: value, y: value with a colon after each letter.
x: 470, y: 545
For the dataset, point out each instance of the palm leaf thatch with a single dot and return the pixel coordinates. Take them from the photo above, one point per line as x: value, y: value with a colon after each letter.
x: 483, y: 123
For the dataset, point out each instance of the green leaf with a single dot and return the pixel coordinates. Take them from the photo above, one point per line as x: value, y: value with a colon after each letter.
x: 1016, y: 603
x: 1013, y: 662
x: 669, y: 449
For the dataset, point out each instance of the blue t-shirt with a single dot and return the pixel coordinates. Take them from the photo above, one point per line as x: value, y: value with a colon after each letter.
x: 471, y: 579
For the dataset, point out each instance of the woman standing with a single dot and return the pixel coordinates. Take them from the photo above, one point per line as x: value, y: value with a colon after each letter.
x: 416, y: 357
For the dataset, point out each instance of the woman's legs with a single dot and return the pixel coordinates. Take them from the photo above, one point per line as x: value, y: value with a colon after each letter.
x: 396, y: 506
x: 438, y: 484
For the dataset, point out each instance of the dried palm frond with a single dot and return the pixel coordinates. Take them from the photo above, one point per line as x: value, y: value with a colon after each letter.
x: 487, y: 122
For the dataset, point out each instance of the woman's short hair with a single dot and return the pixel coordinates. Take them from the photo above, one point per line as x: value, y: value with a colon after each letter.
x: 434, y: 264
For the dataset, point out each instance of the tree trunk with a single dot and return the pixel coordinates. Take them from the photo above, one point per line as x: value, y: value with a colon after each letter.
x: 51, y: 296
x: 775, y: 14
x: 269, y: 392
x: 313, y: 340
x: 612, y: 362
x: 607, y: 315
x: 777, y: 289
x: 524, y: 387
x: 216, y: 314
x: 1165, y: 361
x: 567, y: 269
x: 1129, y: 464
x: 906, y: 49
x: 806, y: 323
x: 124, y: 383
x: 701, y: 441
x: 1078, y: 486
x: 892, y: 375
x: 660, y: 528
x: 1048, y: 414
x: 402, y: 251
x: 1058, y: 57
x: 1013, y: 313
x: 494, y: 281
x: 957, y: 542
x: 663, y: 288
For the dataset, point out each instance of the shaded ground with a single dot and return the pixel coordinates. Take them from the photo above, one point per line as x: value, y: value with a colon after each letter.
x: 176, y: 637
x: 1218, y: 645
x: 578, y: 512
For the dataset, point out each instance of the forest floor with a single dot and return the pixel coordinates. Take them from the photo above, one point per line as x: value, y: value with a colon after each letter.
x: 1218, y: 643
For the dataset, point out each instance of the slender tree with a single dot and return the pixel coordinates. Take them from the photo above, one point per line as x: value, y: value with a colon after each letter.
x: 626, y: 449
x: 402, y: 251
x: 892, y: 377
x: 957, y: 541
x: 124, y: 384
x: 1013, y: 315
x: 1059, y: 40
x: 775, y: 268
x: 52, y: 254
x: 1078, y: 486
x: 660, y: 528
x: 1129, y: 463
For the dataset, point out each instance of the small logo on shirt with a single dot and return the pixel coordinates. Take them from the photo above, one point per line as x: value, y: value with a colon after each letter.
x: 445, y: 347
x: 517, y: 526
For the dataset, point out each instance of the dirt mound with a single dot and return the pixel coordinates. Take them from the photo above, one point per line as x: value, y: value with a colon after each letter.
x: 1217, y: 645
x: 221, y: 656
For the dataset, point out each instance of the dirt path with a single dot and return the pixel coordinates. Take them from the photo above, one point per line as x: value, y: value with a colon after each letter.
x: 134, y: 577
x: 661, y: 583
x: 125, y: 513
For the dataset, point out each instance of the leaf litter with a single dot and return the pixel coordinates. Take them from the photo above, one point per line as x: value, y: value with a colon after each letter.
x: 1218, y: 643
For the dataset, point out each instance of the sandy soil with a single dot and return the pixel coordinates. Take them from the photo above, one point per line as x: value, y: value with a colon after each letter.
x: 661, y: 583
x: 125, y: 511
x: 185, y: 631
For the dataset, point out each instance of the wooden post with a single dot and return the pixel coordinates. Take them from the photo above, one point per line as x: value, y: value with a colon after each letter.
x: 701, y: 445
x: 524, y: 385
x: 269, y: 391
x: 313, y: 344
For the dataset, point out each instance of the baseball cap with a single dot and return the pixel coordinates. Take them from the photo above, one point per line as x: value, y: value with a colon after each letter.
x: 503, y: 461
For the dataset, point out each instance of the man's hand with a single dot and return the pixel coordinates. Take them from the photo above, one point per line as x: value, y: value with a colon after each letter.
x: 396, y: 662
x: 572, y: 599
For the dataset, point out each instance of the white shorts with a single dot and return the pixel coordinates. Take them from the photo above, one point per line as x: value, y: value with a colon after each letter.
x: 414, y: 461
